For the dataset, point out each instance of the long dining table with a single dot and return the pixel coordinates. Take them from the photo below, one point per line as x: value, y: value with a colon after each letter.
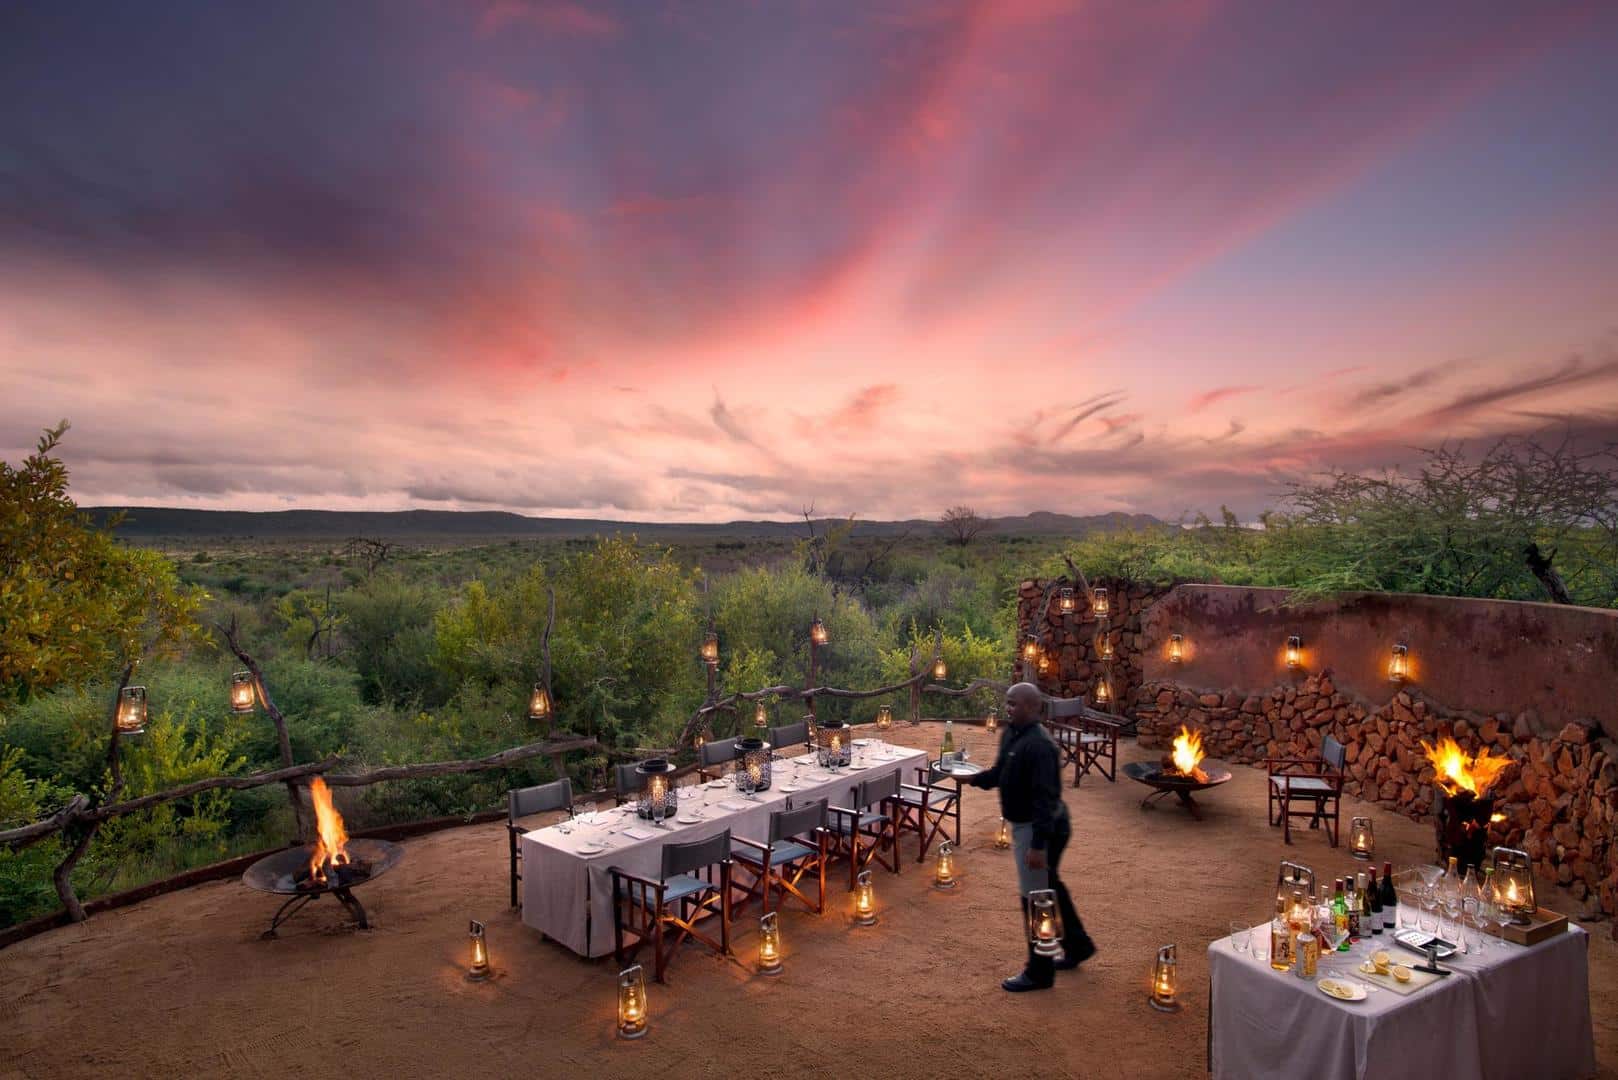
x: 567, y: 880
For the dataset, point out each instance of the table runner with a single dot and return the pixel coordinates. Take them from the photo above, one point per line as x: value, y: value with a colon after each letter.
x: 568, y: 895
x: 1506, y: 1013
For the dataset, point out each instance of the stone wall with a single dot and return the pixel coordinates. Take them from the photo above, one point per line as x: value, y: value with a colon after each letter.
x: 1073, y: 640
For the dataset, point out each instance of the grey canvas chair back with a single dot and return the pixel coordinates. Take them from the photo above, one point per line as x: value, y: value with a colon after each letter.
x: 717, y: 751
x: 556, y: 795
x: 625, y: 778
x: 684, y: 858
x: 1063, y: 708
x: 804, y: 819
x: 874, y: 791
x: 789, y: 734
x: 1333, y: 754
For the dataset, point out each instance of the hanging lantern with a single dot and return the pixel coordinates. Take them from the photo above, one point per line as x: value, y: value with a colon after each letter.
x: 944, y: 872
x: 940, y: 669
x: 1103, y: 691
x: 1361, y: 839
x: 1044, y: 923
x: 132, y: 711
x: 539, y: 703
x: 700, y: 741
x: 1002, y: 835
x: 1399, y: 663
x: 1176, y: 648
x: 761, y: 716
x: 631, y: 1003
x: 1294, y: 652
x: 1514, y: 884
x: 1067, y: 603
x: 1099, y: 603
x: 817, y: 632
x: 991, y: 722
x: 884, y: 717
x: 480, y: 955
x: 1164, y: 979
x: 1104, y: 646
x: 1030, y: 648
x: 769, y: 945
x: 710, y: 649
x: 243, y: 695
x: 1044, y: 665
x: 833, y: 745
x: 656, y: 799
x: 864, y: 900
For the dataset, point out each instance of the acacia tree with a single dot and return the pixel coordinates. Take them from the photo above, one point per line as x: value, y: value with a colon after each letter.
x: 73, y: 602
x: 961, y: 525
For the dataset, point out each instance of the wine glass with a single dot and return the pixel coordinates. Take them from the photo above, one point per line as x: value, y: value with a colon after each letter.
x: 1429, y: 908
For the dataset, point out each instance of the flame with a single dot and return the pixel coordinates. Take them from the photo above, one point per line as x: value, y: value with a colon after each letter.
x: 1188, y: 752
x: 332, y: 847
x: 1456, y: 773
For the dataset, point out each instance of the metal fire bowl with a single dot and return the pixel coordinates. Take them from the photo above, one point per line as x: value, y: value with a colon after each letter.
x: 1153, y: 776
x: 277, y: 873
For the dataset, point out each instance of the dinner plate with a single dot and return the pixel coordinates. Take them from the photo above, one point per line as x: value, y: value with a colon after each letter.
x: 862, y: 742
x: 786, y: 787
x: 687, y: 819
x: 1341, y: 989
x: 591, y: 847
x: 717, y: 784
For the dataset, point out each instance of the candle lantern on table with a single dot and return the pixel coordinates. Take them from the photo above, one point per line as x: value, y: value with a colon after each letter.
x: 1292, y: 879
x: 632, y: 1002
x: 1361, y: 839
x: 1044, y: 923
x: 1099, y: 603
x: 884, y: 717
x: 1067, y: 603
x: 132, y: 710
x: 769, y: 944
x: 1165, y: 978
x: 243, y: 695
x: 832, y: 744
x: 1294, y: 652
x: 753, y: 758
x: 1002, y: 836
x: 864, y: 900
x: 1514, y: 884
x: 944, y: 873
x: 539, y: 703
x: 657, y: 799
x: 479, y: 969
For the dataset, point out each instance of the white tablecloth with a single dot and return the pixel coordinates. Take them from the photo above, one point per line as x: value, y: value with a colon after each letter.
x: 1508, y: 1013
x: 568, y: 895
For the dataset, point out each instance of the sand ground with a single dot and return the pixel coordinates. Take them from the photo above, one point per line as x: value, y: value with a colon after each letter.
x: 182, y: 986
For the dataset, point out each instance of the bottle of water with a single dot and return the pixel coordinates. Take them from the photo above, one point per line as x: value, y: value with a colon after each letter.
x: 946, y: 755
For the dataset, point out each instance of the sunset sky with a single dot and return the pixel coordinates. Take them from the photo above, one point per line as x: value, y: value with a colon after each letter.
x: 700, y: 261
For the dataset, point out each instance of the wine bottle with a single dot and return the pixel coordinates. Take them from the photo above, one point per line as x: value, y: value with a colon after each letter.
x: 1280, y: 938
x: 1390, y: 900
x: 1375, y: 894
x: 1352, y: 898
x: 1368, y: 920
x: 947, y: 754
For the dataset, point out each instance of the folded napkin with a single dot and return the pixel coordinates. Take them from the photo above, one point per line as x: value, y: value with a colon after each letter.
x: 735, y: 804
x: 636, y: 832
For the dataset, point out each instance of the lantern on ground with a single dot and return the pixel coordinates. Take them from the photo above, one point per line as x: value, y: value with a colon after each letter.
x: 944, y: 872
x: 1294, y: 652
x: 884, y: 717
x: 1044, y: 923
x: 539, y: 703
x: 479, y: 970
x: 832, y: 744
x: 1361, y: 839
x: 656, y: 799
x: 710, y: 649
x: 243, y: 695
x: 769, y: 945
x: 1002, y: 836
x: 1176, y: 648
x: 1164, y: 980
x: 1104, y: 646
x: 1514, y: 884
x: 1103, y: 691
x: 1067, y: 603
x: 132, y: 710
x: 940, y: 669
x: 1100, y: 604
x: 631, y: 1002
x: 991, y: 722
x: 864, y: 900
x: 817, y: 632
x: 1399, y: 663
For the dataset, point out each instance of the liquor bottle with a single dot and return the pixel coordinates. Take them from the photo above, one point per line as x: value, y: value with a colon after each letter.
x: 1375, y: 895
x: 1368, y: 920
x: 1351, y: 897
x: 1390, y: 900
x: 1339, y: 916
x: 1450, y: 884
x: 947, y: 754
x: 1280, y: 938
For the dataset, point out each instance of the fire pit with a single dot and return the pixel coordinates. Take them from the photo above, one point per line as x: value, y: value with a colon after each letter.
x: 1463, y: 807
x: 332, y: 865
x: 1181, y: 772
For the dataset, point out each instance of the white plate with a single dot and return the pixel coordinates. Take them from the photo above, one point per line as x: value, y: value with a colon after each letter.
x: 788, y: 788
x: 862, y: 742
x: 1341, y: 989
x: 591, y: 847
x: 687, y: 819
x: 717, y: 784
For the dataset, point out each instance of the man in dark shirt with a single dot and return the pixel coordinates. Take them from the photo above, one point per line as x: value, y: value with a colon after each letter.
x: 1028, y: 772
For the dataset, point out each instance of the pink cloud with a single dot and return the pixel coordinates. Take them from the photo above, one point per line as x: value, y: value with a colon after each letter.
x: 1209, y: 397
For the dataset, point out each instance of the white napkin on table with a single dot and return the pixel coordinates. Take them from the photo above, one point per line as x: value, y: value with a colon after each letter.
x: 635, y: 832
x: 735, y: 804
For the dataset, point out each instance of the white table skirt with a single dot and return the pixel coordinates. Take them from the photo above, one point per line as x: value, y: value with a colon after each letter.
x: 568, y: 895
x: 1507, y: 1013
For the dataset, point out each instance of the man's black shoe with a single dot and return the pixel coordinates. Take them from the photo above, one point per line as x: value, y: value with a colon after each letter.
x: 1073, y: 959
x: 1021, y: 983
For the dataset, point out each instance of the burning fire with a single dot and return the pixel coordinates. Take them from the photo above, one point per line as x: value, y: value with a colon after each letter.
x: 332, y: 847
x: 1457, y: 774
x: 1188, y: 752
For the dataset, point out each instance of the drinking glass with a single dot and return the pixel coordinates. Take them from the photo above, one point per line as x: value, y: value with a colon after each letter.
x: 1499, y: 915
x: 1472, y: 913
x: 1241, y: 935
x: 1429, y: 909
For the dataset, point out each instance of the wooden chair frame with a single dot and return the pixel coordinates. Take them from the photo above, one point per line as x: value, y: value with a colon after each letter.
x: 926, y: 808
x: 848, y: 834
x: 1087, y: 739
x: 642, y: 902
x: 523, y: 802
x: 783, y: 877
x: 714, y: 769
x: 1282, y: 796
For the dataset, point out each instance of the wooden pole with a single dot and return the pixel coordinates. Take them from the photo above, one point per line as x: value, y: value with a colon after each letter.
x: 284, y: 741
x: 62, y: 876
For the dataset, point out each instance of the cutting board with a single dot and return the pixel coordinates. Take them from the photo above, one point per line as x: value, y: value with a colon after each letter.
x: 1418, y: 979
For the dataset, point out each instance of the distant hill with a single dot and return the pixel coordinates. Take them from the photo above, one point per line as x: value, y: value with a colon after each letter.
x: 147, y: 523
